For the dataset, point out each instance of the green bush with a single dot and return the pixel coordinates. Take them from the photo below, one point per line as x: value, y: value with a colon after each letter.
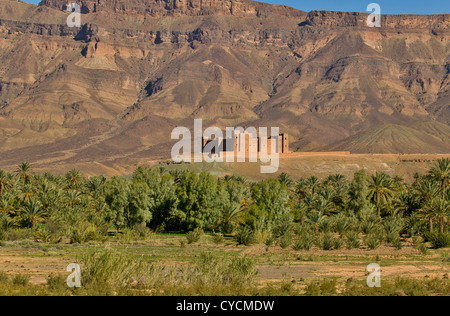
x: 270, y: 240
x: 327, y: 241
x: 338, y: 243
x: 342, y: 224
x: 76, y: 237
x: 90, y: 234
x: 372, y: 241
x: 56, y: 282
x: 325, y: 287
x: 43, y: 234
x: 194, y: 235
x: 305, y: 241
x: 353, y: 240
x: 438, y: 239
x: 397, y: 243
x: 4, y: 277
x: 422, y: 247
x: 370, y: 226
x: 108, y: 271
x: 21, y: 279
x: 244, y: 236
x: 286, y: 240
x: 142, y: 231
x: 218, y: 238
x: 19, y: 234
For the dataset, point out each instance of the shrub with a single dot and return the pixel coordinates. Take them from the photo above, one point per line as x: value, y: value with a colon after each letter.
x: 342, y: 224
x: 353, y: 240
x: 4, y: 277
x: 438, y: 240
x: 18, y: 234
x: 397, y: 243
x: 56, y: 282
x: 142, y: 231
x: 76, y: 237
x: 421, y: 246
x: 305, y: 242
x: 244, y: 236
x: 126, y: 235
x: 370, y: 225
x: 327, y: 241
x: 338, y: 243
x: 218, y: 238
x: 313, y: 289
x: 261, y: 235
x: 328, y: 287
x: 270, y: 240
x: 90, y: 234
x: 325, y: 287
x: 285, y: 240
x: 43, y: 234
x: 194, y: 235
x: 325, y: 225
x: 392, y: 237
x: 21, y: 279
x: 372, y: 241
x: 394, y: 224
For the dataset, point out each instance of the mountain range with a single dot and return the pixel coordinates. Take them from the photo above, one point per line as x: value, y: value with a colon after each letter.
x: 108, y: 94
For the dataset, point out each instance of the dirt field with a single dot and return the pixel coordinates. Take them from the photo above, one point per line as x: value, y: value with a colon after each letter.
x: 39, y: 260
x: 299, y: 165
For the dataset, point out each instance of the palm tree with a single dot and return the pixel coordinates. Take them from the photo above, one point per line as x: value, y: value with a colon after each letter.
x: 335, y: 179
x: 441, y: 173
x: 427, y: 190
x: 23, y: 171
x: 301, y: 188
x: 284, y: 178
x: 72, y: 198
x: 5, y: 182
x: 316, y: 218
x: 94, y: 184
x: 5, y: 204
x: 26, y: 192
x: 438, y: 210
x: 33, y: 212
x: 406, y: 203
x: 230, y: 217
x: 313, y: 183
x: 381, y: 190
x: 340, y: 195
x: 74, y: 178
x: 321, y: 204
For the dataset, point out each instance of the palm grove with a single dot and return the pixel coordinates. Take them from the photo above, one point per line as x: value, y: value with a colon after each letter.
x: 331, y: 213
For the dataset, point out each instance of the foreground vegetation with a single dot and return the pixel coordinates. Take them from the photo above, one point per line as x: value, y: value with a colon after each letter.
x: 333, y: 214
x: 161, y: 266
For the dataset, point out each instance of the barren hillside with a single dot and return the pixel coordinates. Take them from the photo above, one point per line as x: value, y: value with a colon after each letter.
x: 109, y: 93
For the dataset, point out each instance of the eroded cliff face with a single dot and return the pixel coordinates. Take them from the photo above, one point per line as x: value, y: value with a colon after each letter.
x: 160, y: 8
x: 354, y: 20
x: 135, y: 69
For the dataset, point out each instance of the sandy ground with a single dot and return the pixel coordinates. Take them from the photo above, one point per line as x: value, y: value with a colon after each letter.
x: 275, y: 264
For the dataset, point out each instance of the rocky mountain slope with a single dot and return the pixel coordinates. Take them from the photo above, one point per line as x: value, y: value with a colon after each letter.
x: 109, y: 93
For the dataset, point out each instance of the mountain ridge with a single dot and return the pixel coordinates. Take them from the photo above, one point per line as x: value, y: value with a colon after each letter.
x: 104, y: 89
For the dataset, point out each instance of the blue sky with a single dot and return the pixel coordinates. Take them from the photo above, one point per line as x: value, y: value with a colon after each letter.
x: 387, y: 6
